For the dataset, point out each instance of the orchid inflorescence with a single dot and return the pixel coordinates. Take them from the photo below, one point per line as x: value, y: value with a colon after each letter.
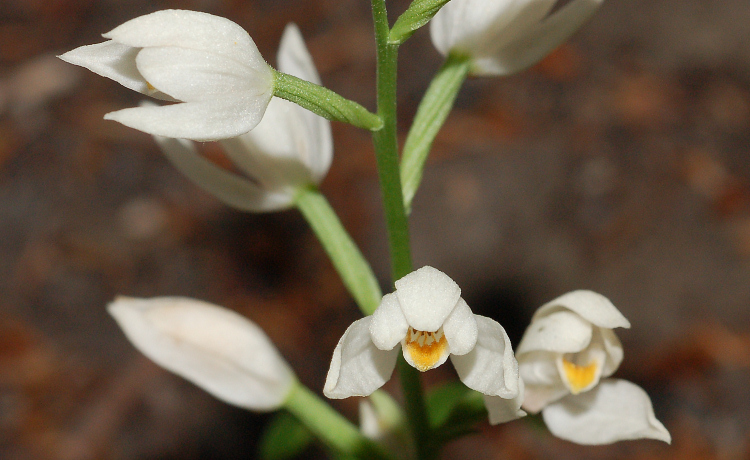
x: 274, y: 126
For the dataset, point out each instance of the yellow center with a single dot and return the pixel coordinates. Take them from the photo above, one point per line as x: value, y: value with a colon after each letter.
x: 425, y: 348
x: 579, y: 377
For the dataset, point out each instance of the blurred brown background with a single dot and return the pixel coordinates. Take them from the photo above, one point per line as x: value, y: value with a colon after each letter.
x: 619, y: 164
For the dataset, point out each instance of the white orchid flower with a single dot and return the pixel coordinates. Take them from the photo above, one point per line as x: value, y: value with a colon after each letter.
x: 427, y: 318
x: 217, y: 349
x: 290, y: 148
x: 564, y: 358
x: 502, y: 37
x: 208, y: 63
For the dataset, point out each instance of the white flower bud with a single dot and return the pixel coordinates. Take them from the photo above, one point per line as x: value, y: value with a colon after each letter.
x: 503, y: 37
x: 207, y: 63
x: 217, y: 349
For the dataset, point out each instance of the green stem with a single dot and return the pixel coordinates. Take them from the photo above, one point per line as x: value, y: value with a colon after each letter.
x: 386, y: 147
x: 346, y: 257
x: 331, y: 427
x: 416, y: 409
x: 324, y: 102
x: 431, y: 114
x: 386, y: 154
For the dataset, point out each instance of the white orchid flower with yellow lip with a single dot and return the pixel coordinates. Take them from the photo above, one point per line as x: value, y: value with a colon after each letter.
x: 208, y: 64
x: 565, y: 357
x: 426, y: 319
x: 290, y: 148
x: 502, y: 37
x: 215, y: 348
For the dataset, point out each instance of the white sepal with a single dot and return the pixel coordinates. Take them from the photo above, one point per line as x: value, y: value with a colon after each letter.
x: 427, y: 296
x: 501, y: 410
x: 591, y: 306
x: 217, y: 349
x: 490, y: 368
x: 231, y: 189
x: 189, y: 29
x: 294, y: 58
x: 358, y: 367
x: 540, y: 40
x: 115, y: 61
x: 615, y: 410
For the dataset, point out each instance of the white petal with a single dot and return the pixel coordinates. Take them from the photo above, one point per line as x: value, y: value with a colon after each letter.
x: 539, y: 396
x: 561, y: 331
x: 284, y: 148
x: 113, y: 60
x: 220, y: 351
x: 460, y: 329
x: 388, y: 326
x: 490, y: 368
x: 190, y: 29
x: 540, y: 40
x: 525, y: 16
x: 538, y: 370
x: 593, y: 307
x: 358, y: 367
x: 268, y: 152
x: 231, y: 189
x: 613, y: 349
x: 501, y: 410
x: 293, y: 57
x: 196, y: 75
x: 615, y: 410
x: 427, y: 296
x: 461, y: 25
x: 201, y: 121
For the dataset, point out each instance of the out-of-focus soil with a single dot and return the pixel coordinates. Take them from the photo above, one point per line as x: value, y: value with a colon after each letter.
x: 619, y: 164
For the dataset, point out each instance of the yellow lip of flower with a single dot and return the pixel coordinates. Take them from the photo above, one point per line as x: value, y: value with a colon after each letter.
x: 579, y: 377
x: 425, y: 349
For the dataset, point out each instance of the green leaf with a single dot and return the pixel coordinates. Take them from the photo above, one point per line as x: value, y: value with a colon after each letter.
x: 442, y: 400
x: 284, y: 438
x: 454, y: 411
x: 431, y: 114
x: 417, y: 15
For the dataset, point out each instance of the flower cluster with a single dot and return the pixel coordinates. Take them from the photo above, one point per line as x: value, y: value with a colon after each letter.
x: 219, y: 87
x: 565, y: 353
